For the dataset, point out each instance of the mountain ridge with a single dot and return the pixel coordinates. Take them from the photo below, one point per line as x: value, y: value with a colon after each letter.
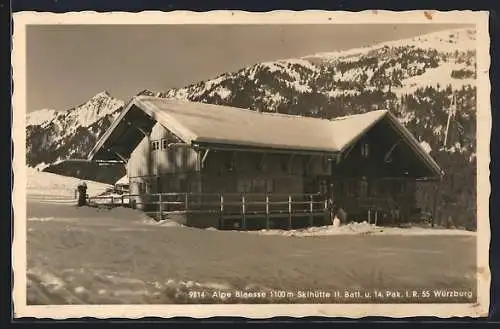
x: 54, y: 135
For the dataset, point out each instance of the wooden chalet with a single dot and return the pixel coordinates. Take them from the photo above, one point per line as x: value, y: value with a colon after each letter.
x: 235, y: 167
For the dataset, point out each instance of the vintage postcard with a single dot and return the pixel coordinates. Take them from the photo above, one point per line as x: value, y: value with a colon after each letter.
x: 251, y: 164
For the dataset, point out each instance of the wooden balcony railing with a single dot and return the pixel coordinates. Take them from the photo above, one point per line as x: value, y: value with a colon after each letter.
x: 228, y: 205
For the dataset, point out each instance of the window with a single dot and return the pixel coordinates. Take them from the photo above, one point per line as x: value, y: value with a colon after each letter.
x: 164, y: 144
x: 365, y: 149
x: 142, y: 188
x: 154, y: 145
x: 229, y: 162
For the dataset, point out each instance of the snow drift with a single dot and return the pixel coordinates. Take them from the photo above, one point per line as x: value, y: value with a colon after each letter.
x: 363, y: 228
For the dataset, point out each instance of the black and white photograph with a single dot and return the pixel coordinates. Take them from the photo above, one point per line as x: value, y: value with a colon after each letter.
x: 202, y: 164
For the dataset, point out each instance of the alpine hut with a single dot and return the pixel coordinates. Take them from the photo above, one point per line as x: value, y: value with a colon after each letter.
x: 222, y: 166
x: 122, y: 185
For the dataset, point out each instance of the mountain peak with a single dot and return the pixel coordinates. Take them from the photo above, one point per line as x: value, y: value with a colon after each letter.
x: 146, y: 92
x: 103, y: 94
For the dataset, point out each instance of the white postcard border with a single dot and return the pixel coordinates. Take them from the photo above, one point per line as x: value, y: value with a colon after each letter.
x: 22, y: 19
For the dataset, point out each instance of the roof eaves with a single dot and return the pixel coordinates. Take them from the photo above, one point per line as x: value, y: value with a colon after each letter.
x: 100, y: 143
x: 167, y: 121
x: 228, y: 144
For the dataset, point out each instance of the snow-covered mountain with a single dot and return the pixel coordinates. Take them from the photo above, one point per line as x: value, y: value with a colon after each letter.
x: 416, y: 78
x: 56, y: 135
x: 419, y: 79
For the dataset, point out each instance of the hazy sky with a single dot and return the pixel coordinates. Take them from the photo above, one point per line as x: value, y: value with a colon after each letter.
x: 68, y: 64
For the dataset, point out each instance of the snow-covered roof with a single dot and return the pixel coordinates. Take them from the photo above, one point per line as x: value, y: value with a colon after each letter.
x: 207, y: 124
x: 198, y: 122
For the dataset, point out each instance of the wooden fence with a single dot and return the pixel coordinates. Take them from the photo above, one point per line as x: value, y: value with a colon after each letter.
x: 230, y: 206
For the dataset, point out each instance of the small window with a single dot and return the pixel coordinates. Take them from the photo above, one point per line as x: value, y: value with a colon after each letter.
x: 142, y: 188
x: 230, y: 163
x: 154, y: 145
x: 164, y: 144
x: 365, y: 149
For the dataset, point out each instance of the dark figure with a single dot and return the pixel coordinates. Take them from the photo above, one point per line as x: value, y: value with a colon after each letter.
x: 332, y: 208
x: 341, y: 215
x: 82, y: 194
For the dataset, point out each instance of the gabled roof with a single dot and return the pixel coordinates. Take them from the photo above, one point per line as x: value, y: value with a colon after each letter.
x: 207, y: 124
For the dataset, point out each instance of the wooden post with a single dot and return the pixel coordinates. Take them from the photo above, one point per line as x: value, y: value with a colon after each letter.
x: 160, y: 206
x: 186, y: 202
x: 327, y: 212
x: 243, y: 210
x: 311, y: 209
x: 267, y: 212
x: 436, y: 201
x: 376, y: 217
x: 221, y: 218
x: 369, y: 217
x: 289, y: 211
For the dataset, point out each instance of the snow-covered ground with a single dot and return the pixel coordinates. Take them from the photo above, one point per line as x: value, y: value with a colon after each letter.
x: 440, y: 75
x: 93, y: 256
x: 364, y: 228
x: 47, y: 185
